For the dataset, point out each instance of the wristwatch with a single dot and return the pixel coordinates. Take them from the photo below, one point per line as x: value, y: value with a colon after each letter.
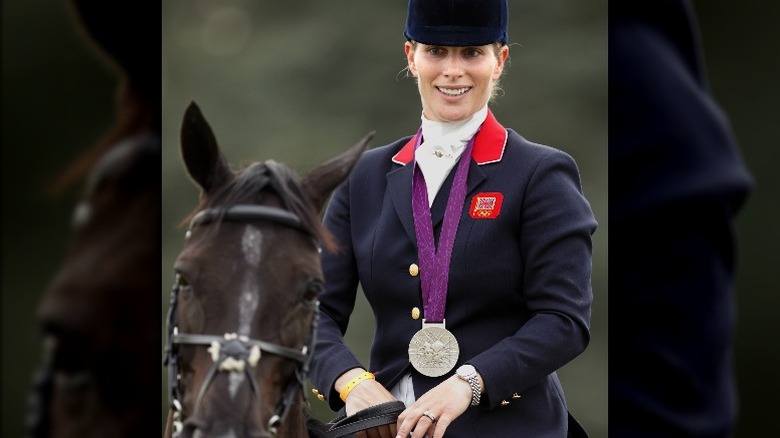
x: 469, y: 374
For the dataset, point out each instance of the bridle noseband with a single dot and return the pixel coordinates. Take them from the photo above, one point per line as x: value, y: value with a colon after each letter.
x: 231, y: 352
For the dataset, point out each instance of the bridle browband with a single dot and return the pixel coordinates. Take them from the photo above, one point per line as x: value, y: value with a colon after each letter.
x: 232, y: 352
x: 248, y: 212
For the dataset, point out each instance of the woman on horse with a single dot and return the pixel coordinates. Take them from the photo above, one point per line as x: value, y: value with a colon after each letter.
x: 473, y: 248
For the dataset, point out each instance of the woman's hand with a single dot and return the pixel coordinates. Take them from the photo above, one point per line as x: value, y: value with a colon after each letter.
x: 445, y: 402
x: 366, y: 394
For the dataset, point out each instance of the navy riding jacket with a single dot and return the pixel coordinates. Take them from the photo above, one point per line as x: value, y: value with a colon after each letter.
x: 519, y: 297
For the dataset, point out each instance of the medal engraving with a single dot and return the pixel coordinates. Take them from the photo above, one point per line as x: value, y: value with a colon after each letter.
x: 433, y: 351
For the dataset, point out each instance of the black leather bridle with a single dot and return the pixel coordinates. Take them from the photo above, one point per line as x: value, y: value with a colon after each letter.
x: 231, y: 352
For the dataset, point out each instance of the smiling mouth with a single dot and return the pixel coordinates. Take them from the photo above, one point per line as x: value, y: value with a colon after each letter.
x: 453, y: 91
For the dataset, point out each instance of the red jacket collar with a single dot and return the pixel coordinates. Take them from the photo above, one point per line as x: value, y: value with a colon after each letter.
x: 488, y: 146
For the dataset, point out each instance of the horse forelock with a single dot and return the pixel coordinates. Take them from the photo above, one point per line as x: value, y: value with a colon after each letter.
x: 250, y: 185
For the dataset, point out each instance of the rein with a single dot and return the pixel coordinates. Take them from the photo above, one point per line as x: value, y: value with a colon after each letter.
x: 230, y: 352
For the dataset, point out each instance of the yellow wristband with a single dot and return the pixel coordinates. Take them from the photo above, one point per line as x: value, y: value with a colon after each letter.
x: 353, y: 383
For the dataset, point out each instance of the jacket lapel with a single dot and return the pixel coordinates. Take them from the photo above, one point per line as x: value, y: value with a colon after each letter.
x: 399, y: 187
x: 440, y: 203
x: 475, y: 177
x: 488, y: 148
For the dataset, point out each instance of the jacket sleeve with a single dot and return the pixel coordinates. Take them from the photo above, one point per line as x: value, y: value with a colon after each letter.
x: 556, y: 224
x: 331, y: 355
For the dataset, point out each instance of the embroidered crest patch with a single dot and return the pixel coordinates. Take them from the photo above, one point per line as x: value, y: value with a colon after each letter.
x: 486, y: 205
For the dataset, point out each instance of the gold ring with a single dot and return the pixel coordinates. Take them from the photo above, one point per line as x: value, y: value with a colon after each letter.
x: 430, y: 415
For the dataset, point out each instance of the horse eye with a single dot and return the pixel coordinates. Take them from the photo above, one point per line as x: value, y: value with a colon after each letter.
x: 181, y: 281
x: 183, y: 285
x: 313, y: 288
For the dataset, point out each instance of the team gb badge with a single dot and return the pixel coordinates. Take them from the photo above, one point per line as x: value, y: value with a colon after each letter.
x: 486, y: 205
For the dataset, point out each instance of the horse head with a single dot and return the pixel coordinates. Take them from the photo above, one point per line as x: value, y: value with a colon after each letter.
x: 244, y: 303
x: 97, y: 314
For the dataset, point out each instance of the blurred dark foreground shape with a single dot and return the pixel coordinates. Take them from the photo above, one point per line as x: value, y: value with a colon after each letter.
x: 99, y: 316
x: 244, y: 306
x: 677, y: 181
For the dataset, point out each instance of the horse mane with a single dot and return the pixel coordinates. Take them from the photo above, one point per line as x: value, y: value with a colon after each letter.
x: 251, y: 183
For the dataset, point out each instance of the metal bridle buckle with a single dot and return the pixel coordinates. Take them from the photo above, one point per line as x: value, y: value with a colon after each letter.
x: 233, y: 355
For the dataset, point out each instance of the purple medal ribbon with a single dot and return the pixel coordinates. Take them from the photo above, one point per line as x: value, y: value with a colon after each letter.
x: 435, y: 262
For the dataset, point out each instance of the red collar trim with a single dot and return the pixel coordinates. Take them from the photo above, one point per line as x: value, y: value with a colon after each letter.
x: 488, y: 146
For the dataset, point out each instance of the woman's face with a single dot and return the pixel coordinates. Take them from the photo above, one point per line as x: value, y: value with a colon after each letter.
x: 454, y: 82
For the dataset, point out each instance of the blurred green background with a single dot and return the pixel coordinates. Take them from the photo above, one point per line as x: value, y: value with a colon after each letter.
x: 301, y: 81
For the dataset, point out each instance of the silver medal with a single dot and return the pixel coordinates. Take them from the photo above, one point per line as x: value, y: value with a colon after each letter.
x: 433, y: 351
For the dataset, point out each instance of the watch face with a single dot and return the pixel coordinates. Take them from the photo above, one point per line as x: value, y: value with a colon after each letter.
x: 466, y: 370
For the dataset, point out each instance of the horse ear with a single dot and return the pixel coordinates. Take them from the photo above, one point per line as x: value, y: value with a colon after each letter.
x: 200, y: 152
x: 320, y: 182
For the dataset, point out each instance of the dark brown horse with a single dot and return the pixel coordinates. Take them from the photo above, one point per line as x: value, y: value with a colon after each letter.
x: 244, y: 304
x: 100, y: 333
x: 99, y: 314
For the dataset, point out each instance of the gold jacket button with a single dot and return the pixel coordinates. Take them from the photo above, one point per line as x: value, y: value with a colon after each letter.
x: 415, y: 313
x: 414, y: 270
x: 316, y: 392
x: 504, y: 403
x: 516, y: 396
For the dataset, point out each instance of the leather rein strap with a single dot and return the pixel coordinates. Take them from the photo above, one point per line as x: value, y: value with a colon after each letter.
x: 232, y: 352
x: 377, y: 416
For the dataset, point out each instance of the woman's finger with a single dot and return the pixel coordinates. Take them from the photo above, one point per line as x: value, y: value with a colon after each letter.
x: 424, y: 425
x: 441, y: 426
